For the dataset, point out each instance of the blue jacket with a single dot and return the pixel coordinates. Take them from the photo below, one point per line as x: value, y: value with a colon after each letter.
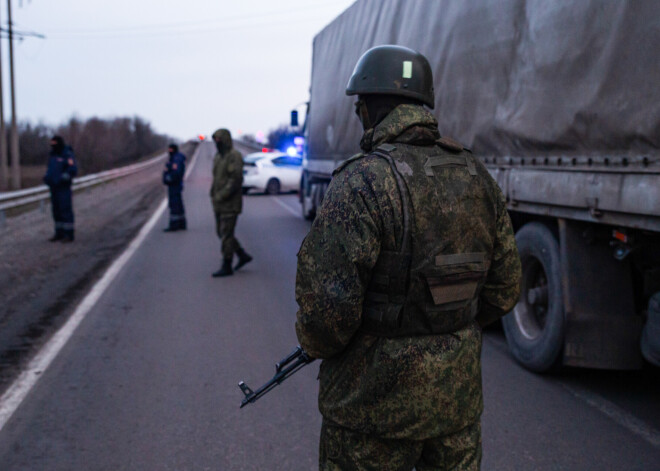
x: 175, y: 169
x: 61, y: 169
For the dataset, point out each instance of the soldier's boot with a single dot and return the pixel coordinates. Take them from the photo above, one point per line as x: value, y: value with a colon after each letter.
x: 225, y: 270
x: 243, y: 258
x: 183, y: 225
x: 174, y: 226
x: 67, y: 237
x: 59, y: 234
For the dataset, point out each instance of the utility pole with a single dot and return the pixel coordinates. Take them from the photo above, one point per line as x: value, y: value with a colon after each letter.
x: 13, y: 136
x: 4, y: 164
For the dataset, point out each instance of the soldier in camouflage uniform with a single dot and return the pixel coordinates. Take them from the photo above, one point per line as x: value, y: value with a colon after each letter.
x: 227, y: 200
x: 411, y: 253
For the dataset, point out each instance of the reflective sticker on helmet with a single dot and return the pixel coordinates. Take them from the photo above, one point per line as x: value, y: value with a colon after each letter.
x: 407, y: 69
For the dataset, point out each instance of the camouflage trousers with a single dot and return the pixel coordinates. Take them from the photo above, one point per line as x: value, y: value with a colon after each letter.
x: 342, y: 449
x: 225, y: 225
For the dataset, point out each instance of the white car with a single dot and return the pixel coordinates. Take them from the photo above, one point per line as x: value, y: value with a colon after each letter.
x: 271, y: 172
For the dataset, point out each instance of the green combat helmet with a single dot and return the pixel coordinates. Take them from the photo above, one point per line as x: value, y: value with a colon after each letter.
x: 393, y: 70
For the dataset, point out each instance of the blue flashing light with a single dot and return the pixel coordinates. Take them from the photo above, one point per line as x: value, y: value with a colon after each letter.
x: 292, y: 151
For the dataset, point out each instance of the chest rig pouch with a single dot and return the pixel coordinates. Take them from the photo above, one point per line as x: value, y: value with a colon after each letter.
x: 440, y: 295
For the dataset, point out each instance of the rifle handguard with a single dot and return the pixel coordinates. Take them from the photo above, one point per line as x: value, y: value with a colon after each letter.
x: 285, y: 368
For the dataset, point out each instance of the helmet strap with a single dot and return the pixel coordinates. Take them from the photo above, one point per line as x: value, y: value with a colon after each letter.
x: 362, y: 113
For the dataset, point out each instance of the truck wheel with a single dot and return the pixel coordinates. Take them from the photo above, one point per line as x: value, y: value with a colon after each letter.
x: 307, y: 201
x: 273, y: 186
x: 535, y: 328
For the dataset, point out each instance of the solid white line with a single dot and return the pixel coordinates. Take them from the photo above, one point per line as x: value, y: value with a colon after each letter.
x: 618, y: 415
x: 15, y: 395
x: 194, y: 160
x: 20, y: 388
x: 287, y: 207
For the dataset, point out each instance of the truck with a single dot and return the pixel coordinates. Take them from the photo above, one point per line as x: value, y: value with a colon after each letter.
x: 559, y: 100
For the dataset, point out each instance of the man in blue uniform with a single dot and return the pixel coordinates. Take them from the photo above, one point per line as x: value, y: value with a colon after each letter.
x: 59, y: 176
x: 175, y: 169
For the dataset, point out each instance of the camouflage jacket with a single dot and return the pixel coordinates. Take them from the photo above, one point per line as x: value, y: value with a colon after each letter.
x: 226, y: 190
x: 416, y: 386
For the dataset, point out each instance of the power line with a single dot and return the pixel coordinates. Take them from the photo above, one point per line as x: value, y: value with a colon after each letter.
x: 21, y: 34
x: 167, y: 26
x: 145, y: 34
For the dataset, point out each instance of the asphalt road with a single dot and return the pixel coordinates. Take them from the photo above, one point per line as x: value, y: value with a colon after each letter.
x: 40, y: 280
x: 149, y: 379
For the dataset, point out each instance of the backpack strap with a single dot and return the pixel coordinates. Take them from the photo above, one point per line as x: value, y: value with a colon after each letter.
x: 346, y: 162
x: 383, y: 151
x: 387, y: 292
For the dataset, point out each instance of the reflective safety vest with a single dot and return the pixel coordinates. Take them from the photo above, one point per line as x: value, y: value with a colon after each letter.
x: 423, y: 287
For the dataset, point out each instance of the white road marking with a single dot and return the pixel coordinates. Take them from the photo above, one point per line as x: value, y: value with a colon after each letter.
x: 287, y: 207
x: 618, y: 415
x: 194, y: 160
x: 21, y: 387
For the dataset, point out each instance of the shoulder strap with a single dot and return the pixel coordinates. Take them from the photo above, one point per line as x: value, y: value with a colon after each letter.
x: 387, y: 292
x: 456, y: 148
x: 383, y: 151
x: 450, y: 144
x: 345, y: 163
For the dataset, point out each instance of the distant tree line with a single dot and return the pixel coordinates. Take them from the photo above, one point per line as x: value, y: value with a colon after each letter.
x: 249, y: 138
x: 99, y: 144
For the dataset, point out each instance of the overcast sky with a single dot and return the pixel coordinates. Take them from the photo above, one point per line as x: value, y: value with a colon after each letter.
x: 186, y: 66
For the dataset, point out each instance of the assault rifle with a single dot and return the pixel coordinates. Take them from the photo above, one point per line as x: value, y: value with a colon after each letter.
x: 285, y: 368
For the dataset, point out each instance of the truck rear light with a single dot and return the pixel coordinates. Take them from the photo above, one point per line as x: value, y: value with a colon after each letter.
x: 620, y: 236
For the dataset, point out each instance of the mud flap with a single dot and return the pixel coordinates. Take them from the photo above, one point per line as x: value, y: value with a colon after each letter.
x: 651, y: 333
x: 602, y: 328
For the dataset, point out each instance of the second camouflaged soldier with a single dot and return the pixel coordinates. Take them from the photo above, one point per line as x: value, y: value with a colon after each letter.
x: 411, y: 253
x: 227, y: 200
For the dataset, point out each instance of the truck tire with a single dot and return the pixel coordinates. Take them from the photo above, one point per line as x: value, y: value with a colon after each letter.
x: 307, y: 200
x: 535, y: 328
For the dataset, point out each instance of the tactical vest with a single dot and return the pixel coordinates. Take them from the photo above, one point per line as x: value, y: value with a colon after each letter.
x: 419, y: 289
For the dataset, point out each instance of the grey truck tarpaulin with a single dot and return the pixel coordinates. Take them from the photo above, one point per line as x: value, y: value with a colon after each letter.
x: 512, y: 77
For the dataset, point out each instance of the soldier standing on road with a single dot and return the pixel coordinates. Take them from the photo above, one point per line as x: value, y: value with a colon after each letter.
x: 411, y: 253
x: 59, y: 176
x: 227, y: 200
x: 175, y: 170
